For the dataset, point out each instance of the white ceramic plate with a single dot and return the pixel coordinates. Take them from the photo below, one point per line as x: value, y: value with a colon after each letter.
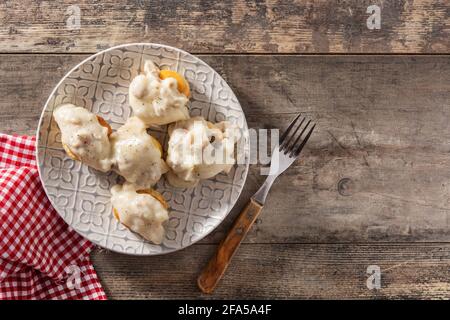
x: 81, y: 195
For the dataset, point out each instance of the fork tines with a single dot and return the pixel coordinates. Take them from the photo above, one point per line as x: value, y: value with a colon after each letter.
x: 291, y: 142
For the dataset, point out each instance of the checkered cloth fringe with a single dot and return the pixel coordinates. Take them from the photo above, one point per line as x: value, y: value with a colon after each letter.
x: 40, y: 256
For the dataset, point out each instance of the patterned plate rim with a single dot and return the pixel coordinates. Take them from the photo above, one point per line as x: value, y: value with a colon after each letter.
x: 245, y: 127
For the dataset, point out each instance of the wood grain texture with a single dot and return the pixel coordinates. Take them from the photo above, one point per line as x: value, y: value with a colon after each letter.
x: 219, y: 262
x: 309, y: 271
x: 239, y: 26
x: 376, y: 168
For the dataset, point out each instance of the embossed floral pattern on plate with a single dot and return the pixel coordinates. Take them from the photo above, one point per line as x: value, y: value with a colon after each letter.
x: 81, y: 194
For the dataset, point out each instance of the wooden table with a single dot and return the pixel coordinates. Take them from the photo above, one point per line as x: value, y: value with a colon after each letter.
x: 374, y: 183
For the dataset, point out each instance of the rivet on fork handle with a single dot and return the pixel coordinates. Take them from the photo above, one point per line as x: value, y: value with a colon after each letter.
x: 214, y: 270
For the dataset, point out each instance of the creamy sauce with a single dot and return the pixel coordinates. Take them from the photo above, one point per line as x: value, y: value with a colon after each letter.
x: 199, y: 150
x: 142, y: 213
x: 136, y: 154
x: 157, y: 101
x: 84, y: 136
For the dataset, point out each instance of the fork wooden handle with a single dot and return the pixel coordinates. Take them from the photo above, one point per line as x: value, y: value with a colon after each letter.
x: 214, y: 270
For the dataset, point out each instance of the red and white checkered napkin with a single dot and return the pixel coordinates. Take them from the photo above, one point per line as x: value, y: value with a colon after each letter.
x: 40, y: 256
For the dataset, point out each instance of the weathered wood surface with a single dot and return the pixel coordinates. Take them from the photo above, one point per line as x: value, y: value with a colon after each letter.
x: 271, y: 26
x: 284, y: 271
x: 376, y: 168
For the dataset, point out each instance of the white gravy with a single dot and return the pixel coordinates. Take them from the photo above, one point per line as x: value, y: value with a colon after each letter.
x: 157, y: 101
x: 84, y: 136
x: 136, y: 154
x: 142, y: 213
x: 199, y: 150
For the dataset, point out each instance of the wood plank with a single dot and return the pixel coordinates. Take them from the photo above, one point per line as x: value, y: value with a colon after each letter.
x: 376, y: 169
x: 383, y: 133
x: 339, y: 271
x: 270, y: 26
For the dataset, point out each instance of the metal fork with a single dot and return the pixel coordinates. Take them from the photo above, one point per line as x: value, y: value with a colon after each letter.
x: 290, y: 145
